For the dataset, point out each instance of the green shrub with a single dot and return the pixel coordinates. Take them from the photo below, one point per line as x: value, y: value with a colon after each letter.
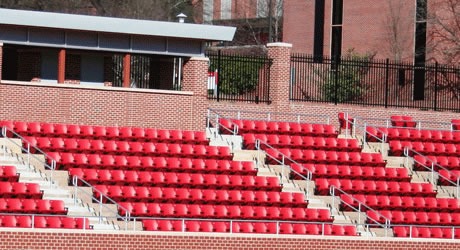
x: 343, y: 83
x: 238, y: 75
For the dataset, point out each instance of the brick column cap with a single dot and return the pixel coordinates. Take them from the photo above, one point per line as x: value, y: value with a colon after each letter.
x: 199, y: 58
x: 1, y: 44
x: 287, y: 45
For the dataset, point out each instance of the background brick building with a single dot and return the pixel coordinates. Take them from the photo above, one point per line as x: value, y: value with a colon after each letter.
x: 394, y: 29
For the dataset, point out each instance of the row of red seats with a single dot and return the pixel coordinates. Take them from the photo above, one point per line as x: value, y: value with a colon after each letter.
x: 302, y: 142
x: 425, y: 148
x: 15, y: 205
x: 427, y: 232
x: 402, y: 121
x: 8, y: 173
x: 20, y: 190
x: 448, y: 162
x: 27, y: 221
x: 408, y: 134
x: 249, y: 227
x: 195, y: 180
x: 415, y: 218
x: 275, y: 127
x: 170, y: 210
x: 327, y: 157
x: 408, y: 203
x: 101, y: 132
x: 375, y: 187
x: 343, y: 118
x: 455, y: 124
x: 200, y: 196
x: 351, y: 172
x: 129, y: 148
x: 453, y: 176
x: 148, y: 163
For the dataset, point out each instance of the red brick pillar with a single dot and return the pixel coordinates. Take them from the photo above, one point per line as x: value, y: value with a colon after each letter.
x: 61, y: 66
x: 280, y: 53
x: 1, y: 60
x: 127, y: 70
x: 195, y: 78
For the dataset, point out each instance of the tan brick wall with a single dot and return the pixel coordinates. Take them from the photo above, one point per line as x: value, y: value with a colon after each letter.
x: 55, y: 239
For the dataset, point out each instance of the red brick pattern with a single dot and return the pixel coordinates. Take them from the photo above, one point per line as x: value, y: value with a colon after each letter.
x: 104, y: 106
x: 29, y: 63
x: 195, y: 77
x: 121, y: 240
x: 367, y: 27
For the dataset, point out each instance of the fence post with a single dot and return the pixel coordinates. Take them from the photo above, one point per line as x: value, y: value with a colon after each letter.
x: 436, y: 86
x: 219, y: 73
x: 335, y: 66
x: 387, y: 79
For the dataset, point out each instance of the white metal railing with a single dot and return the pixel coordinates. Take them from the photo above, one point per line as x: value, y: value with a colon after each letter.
x: 101, y: 201
x: 333, y: 190
x: 268, y: 116
x: 49, y: 163
x: 408, y: 152
x: 85, y: 224
x: 284, y: 167
x: 213, y: 118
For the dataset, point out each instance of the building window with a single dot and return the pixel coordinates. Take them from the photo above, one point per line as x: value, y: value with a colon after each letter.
x: 420, y: 32
x: 318, y: 38
x: 336, y: 34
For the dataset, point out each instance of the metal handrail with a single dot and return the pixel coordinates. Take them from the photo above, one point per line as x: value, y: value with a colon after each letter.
x: 102, y: 197
x: 431, y: 168
x: 332, y: 191
x: 218, y: 125
x: 420, y: 124
x: 268, y: 115
x: 51, y: 166
x: 282, y: 162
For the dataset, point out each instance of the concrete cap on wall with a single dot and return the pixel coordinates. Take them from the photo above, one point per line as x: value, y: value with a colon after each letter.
x: 287, y: 45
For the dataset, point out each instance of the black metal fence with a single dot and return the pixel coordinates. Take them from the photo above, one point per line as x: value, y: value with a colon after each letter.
x: 238, y: 78
x: 375, y: 83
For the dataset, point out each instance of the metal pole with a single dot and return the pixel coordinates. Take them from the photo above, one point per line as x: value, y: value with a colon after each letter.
x: 436, y: 86
x: 219, y: 73
x: 387, y: 78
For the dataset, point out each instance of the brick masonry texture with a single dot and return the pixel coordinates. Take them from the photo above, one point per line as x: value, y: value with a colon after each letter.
x: 181, y: 110
x: 110, y: 107
x: 161, y: 241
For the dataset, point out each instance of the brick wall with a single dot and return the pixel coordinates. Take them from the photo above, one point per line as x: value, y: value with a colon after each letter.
x: 195, y: 79
x: 29, y: 63
x: 72, y: 68
x: 383, y: 20
x: 104, y: 106
x: 55, y: 239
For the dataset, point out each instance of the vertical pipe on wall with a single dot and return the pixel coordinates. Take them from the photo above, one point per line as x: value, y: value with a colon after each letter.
x: 61, y: 66
x: 126, y: 70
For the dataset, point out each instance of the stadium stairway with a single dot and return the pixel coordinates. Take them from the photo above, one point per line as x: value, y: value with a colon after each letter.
x: 54, y: 186
x: 235, y: 142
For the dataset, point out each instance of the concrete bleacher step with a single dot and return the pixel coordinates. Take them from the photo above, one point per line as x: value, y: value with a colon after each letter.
x: 446, y: 192
x: 235, y: 142
x: 54, y: 186
x: 248, y: 155
x: 14, y: 145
